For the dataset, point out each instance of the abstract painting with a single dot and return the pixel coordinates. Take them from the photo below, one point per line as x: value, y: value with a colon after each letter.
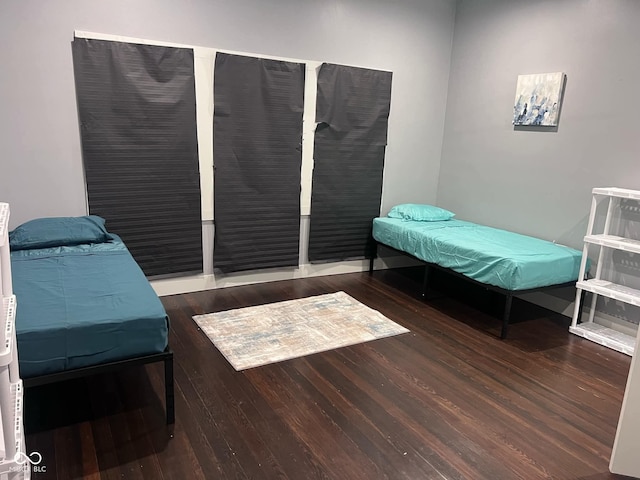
x: 538, y: 99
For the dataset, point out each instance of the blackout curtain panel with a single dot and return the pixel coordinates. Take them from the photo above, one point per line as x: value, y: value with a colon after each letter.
x: 352, y: 113
x: 136, y: 105
x: 257, y: 159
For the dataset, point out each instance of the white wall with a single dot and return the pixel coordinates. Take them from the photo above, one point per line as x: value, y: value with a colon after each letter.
x: 40, y: 165
x: 532, y: 180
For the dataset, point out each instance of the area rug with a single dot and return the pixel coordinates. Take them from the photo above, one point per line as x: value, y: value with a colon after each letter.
x: 254, y: 336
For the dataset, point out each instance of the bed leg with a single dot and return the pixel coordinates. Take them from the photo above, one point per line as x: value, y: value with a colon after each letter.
x: 425, y: 282
x: 505, y: 316
x: 374, y: 254
x: 168, y: 390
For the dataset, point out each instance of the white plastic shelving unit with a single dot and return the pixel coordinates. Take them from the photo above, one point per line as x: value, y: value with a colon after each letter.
x: 606, y: 241
x: 13, y: 459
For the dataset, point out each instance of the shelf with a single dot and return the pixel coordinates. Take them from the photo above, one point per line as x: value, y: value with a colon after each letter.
x: 11, y: 399
x: 611, y: 290
x: 3, y: 448
x: 9, y: 465
x: 613, y: 241
x: 605, y: 336
x: 625, y: 446
x: 6, y: 333
x: 617, y: 192
x: 4, y: 222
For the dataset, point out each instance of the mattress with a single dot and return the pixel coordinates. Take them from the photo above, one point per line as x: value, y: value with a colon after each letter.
x: 83, y: 305
x: 488, y: 255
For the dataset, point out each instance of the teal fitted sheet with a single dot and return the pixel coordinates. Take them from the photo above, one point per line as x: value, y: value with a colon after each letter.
x: 83, y: 305
x: 488, y: 255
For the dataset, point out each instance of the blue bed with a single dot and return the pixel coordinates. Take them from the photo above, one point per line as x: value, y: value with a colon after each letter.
x: 497, y: 259
x: 83, y: 302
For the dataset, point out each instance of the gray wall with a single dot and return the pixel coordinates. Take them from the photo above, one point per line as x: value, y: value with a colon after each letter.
x: 41, y: 167
x: 532, y: 180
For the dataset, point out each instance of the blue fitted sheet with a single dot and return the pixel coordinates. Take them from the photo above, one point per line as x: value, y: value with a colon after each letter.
x: 488, y: 255
x: 83, y: 305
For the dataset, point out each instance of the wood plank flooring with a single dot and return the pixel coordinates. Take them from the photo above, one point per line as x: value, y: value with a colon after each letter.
x: 448, y: 400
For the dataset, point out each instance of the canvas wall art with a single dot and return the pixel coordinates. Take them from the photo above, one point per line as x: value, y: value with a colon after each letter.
x: 538, y: 99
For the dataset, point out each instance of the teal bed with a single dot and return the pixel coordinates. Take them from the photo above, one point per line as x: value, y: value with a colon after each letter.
x: 84, y: 304
x: 499, y: 260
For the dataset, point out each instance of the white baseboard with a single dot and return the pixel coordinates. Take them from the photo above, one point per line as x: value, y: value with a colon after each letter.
x: 551, y: 302
x: 566, y: 307
x: 196, y: 283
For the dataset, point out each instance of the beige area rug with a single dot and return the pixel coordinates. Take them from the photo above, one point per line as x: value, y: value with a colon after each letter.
x: 254, y: 336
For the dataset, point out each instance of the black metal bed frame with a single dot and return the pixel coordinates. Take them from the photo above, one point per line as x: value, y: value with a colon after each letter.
x: 509, y: 294
x: 166, y: 356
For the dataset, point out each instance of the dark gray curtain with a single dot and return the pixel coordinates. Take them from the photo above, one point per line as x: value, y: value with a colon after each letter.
x: 352, y: 114
x: 137, y: 111
x: 257, y: 157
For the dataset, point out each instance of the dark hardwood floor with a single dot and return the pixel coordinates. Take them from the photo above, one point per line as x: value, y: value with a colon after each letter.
x: 448, y: 400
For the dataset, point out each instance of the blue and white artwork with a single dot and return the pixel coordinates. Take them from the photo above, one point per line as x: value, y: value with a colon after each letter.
x: 538, y: 99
